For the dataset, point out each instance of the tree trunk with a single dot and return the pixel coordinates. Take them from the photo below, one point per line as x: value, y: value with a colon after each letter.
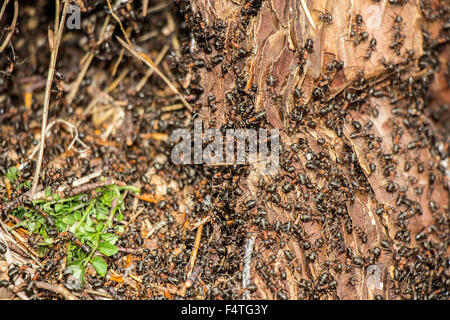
x: 359, y: 93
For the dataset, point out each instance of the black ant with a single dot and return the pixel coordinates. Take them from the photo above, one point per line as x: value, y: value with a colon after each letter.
x: 13, y: 62
x: 309, y: 46
x: 59, y: 85
x: 398, y: 2
x: 359, y: 20
x: 308, y: 49
x: 334, y: 64
x: 368, y: 54
x: 372, y: 45
x: 359, y: 38
x: 326, y: 17
x: 398, y: 19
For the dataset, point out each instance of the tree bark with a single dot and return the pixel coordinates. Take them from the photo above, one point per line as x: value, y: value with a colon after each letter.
x: 365, y: 147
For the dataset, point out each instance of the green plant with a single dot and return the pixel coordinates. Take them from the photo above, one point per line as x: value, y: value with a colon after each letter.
x: 12, y: 174
x: 89, y: 225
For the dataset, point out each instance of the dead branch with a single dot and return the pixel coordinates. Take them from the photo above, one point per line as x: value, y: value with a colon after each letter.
x: 59, y: 289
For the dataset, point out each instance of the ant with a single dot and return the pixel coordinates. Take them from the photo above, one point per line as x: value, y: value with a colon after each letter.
x: 59, y: 85
x: 326, y: 17
x: 9, y: 70
x: 398, y: 2
x: 372, y: 45
x: 368, y: 54
x: 307, y: 50
x: 359, y: 20
x: 334, y: 65
x: 358, y: 38
x: 309, y: 46
x: 13, y: 62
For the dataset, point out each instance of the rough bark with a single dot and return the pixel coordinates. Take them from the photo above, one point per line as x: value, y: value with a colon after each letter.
x: 359, y: 195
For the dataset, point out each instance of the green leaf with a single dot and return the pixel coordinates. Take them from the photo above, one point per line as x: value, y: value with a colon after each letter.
x: 89, y: 226
x: 109, y: 237
x: 61, y: 225
x: 43, y: 233
x: 48, y: 193
x: 25, y: 185
x: 91, y: 237
x: 69, y: 219
x: 73, y: 228
x: 12, y: 174
x: 33, y: 226
x: 130, y: 188
x: 108, y: 196
x: 107, y: 248
x: 99, y: 226
x: 102, y: 213
x: 100, y: 265
x: 46, y: 242
x: 59, y: 207
x: 86, y: 219
x: 77, y: 272
x: 77, y: 215
x: 23, y: 223
x: 19, y: 212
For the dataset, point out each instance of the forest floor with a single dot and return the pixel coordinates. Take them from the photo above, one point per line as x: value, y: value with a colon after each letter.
x: 109, y: 216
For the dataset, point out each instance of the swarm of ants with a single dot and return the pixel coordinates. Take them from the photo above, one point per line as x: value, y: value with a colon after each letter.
x: 363, y: 180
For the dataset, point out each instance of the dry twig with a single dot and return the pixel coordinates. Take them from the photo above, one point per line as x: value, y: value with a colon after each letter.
x: 13, y: 24
x: 2, y: 11
x: 51, y: 71
x: 198, y: 238
x: 120, y: 23
x: 74, y: 132
x: 99, y: 293
x: 149, y: 72
x: 145, y: 59
x: 30, y: 252
x: 59, y: 289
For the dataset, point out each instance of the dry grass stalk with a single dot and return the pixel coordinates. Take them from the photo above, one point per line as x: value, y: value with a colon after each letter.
x: 13, y: 24
x: 51, y: 72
